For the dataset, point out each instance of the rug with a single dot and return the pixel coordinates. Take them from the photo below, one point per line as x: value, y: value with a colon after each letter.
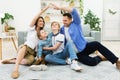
x: 103, y: 71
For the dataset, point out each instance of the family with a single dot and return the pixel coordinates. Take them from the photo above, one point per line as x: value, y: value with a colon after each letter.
x: 64, y: 45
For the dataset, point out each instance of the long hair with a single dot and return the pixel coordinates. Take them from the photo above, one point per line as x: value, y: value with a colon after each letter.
x: 38, y: 34
x: 37, y: 22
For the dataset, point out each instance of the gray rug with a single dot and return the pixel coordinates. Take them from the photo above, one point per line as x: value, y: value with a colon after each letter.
x: 103, y: 71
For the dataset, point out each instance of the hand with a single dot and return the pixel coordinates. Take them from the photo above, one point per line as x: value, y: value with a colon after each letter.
x: 44, y: 48
x: 38, y: 58
x: 55, y: 6
x: 50, y: 6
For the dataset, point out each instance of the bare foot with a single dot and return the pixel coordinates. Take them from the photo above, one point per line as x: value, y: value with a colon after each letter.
x: 118, y: 64
x: 9, y: 61
x: 101, y: 56
x: 15, y: 74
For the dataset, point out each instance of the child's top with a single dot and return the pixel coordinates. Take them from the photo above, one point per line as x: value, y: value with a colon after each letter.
x: 44, y: 43
x: 58, y: 38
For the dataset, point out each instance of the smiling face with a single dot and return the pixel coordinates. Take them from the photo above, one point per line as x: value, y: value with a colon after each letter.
x: 67, y: 19
x: 40, y: 23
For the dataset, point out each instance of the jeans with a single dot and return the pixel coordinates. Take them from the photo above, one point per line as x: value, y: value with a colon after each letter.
x: 92, y: 47
x: 60, y: 58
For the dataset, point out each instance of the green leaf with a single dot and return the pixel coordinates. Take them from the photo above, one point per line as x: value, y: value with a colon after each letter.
x: 6, y: 18
x: 92, y: 20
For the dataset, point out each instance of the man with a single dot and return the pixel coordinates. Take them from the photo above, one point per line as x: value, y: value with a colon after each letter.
x: 73, y: 31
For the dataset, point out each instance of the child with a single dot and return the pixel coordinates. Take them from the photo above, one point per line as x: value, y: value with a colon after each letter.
x: 60, y: 53
x: 45, y: 41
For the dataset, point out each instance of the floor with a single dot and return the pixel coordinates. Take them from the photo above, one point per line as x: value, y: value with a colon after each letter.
x: 103, y: 71
x: 8, y: 50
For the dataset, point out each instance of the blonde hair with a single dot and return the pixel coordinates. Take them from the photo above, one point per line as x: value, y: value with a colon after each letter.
x: 55, y: 22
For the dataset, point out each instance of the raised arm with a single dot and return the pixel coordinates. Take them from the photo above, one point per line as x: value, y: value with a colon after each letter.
x: 36, y: 17
x: 68, y: 9
x: 73, y: 11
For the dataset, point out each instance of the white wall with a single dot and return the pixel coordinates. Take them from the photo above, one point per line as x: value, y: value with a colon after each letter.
x: 23, y: 11
x: 96, y: 6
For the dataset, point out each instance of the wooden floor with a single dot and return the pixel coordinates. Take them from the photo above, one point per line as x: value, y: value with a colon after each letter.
x: 8, y: 50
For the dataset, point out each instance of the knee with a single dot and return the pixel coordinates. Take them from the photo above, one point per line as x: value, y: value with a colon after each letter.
x: 47, y: 58
x: 21, y: 47
x: 97, y: 43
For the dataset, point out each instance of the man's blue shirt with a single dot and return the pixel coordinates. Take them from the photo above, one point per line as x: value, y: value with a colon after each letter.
x: 75, y: 31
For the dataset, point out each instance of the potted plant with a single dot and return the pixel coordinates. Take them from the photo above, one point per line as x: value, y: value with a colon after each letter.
x: 6, y: 19
x: 11, y: 28
x: 92, y: 20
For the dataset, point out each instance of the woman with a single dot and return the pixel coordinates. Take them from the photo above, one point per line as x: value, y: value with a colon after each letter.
x: 26, y: 53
